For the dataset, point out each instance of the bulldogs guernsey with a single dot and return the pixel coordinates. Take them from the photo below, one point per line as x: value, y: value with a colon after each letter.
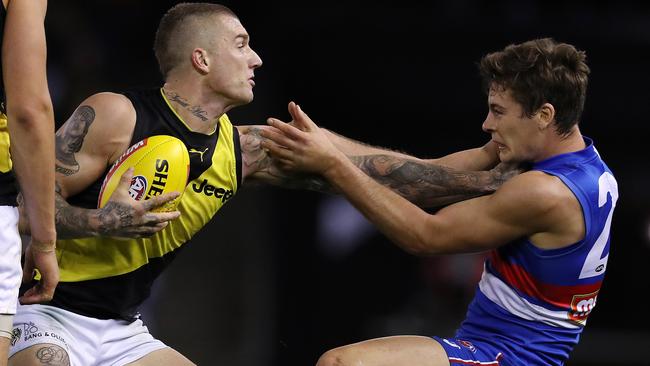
x: 8, y: 187
x: 532, y: 304
x: 104, y: 277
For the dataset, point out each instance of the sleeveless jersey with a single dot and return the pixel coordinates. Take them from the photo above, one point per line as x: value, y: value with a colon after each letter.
x: 8, y: 187
x: 533, y: 303
x: 106, y: 277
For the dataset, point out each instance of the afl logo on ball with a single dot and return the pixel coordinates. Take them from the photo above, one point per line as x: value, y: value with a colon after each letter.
x: 138, y: 187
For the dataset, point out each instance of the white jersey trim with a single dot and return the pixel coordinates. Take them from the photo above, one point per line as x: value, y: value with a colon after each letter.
x: 503, y: 295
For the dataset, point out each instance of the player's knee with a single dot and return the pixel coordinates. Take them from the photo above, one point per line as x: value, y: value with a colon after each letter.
x: 334, y: 357
x: 41, y: 354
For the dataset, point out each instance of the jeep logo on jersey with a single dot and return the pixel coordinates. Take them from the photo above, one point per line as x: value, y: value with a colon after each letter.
x: 159, y: 178
x: 210, y: 190
x: 581, y: 306
x: 138, y: 187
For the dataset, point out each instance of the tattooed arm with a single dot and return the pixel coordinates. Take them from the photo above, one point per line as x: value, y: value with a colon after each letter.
x: 94, y: 136
x: 426, y: 184
x: 421, y: 182
x: 258, y: 167
x: 481, y: 158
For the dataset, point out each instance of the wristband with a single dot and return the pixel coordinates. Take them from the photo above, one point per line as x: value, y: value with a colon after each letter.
x: 43, y: 246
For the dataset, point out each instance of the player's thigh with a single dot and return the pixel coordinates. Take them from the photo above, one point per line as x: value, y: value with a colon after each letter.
x: 163, y: 357
x: 39, y: 355
x: 388, y: 351
x: 4, y: 350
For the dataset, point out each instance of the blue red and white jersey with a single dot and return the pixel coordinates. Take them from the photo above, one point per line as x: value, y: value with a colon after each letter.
x: 533, y: 303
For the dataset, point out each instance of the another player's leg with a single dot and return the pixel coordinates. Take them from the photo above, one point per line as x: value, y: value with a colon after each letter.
x: 39, y: 355
x: 399, y: 350
x: 163, y: 357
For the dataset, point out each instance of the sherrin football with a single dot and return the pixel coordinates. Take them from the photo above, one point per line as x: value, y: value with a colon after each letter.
x: 161, y: 165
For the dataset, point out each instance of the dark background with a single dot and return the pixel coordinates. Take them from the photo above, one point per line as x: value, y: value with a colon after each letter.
x: 281, y: 276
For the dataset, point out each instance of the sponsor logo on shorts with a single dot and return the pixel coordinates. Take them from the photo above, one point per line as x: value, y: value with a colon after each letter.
x: 15, y: 335
x: 467, y: 345
x: 31, y: 331
x: 30, y: 328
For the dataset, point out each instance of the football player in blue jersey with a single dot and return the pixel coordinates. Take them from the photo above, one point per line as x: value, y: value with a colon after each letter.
x: 547, y: 230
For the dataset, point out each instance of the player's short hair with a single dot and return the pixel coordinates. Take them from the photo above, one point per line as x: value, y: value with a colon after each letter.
x: 541, y: 71
x: 179, y: 27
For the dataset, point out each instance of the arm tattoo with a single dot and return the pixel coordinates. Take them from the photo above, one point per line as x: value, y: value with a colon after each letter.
x: 196, y: 110
x: 253, y: 156
x: 76, y: 222
x: 114, y: 215
x: 426, y: 185
x: 70, y: 221
x: 53, y: 356
x: 257, y: 160
x: 70, y: 138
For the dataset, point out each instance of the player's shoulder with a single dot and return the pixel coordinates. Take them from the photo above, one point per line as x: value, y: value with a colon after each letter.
x: 536, y: 190
x: 117, y: 103
x: 109, y: 110
x: 110, y: 121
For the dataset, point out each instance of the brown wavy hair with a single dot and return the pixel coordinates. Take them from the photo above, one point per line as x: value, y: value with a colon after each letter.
x: 541, y: 71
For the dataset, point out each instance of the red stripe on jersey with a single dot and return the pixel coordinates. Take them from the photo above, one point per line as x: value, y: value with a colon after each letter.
x: 516, y: 276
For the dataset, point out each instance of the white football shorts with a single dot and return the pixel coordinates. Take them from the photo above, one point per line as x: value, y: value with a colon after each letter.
x: 88, y: 341
x: 11, y: 271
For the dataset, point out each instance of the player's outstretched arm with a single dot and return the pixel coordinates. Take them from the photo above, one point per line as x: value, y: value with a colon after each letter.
x: 423, y: 182
x: 524, y: 206
x: 476, y: 159
x: 259, y: 167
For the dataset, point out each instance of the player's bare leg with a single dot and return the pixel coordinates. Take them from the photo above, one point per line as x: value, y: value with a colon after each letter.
x: 388, y: 351
x: 163, y: 357
x: 41, y: 354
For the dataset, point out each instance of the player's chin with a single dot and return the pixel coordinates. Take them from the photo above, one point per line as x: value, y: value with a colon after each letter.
x: 507, y: 157
x: 247, y: 97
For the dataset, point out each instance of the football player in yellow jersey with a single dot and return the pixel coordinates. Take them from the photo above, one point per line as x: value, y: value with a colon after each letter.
x: 208, y: 65
x: 26, y: 126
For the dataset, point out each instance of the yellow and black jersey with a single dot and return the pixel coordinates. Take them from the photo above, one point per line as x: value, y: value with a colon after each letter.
x: 106, y: 277
x: 8, y: 187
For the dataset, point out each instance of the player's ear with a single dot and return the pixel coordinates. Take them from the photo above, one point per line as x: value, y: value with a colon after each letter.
x: 545, y: 116
x: 200, y: 60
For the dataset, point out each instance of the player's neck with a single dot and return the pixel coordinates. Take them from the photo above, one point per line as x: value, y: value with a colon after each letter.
x: 565, y: 144
x: 200, y: 112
